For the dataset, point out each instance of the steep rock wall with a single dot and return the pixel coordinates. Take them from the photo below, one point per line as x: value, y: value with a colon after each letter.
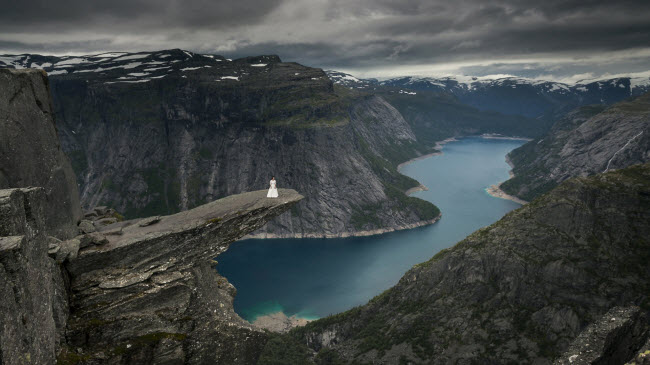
x: 33, y: 296
x: 587, y: 141
x: 30, y: 153
x: 173, y: 143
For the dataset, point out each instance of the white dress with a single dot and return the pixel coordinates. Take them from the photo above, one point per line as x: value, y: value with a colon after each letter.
x: 273, y: 191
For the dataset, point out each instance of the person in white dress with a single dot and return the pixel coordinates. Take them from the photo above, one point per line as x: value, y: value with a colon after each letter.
x: 273, y: 191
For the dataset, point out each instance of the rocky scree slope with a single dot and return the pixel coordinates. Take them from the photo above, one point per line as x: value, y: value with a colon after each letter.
x: 587, y: 141
x: 137, y: 292
x: 518, y: 291
x: 160, y: 132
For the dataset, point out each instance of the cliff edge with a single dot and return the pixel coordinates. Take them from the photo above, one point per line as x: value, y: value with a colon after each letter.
x: 143, y: 291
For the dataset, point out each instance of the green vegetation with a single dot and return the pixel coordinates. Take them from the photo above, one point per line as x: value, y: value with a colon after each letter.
x: 68, y: 357
x: 365, y: 215
x: 328, y: 356
x: 395, y: 184
x: 399, y: 315
x: 311, y: 108
x: 424, y: 209
x: 79, y: 163
x: 640, y: 105
x: 282, y: 350
x: 163, y: 190
x: 435, y: 116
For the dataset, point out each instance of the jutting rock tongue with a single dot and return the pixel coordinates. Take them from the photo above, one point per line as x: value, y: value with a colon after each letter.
x: 150, y: 295
x: 30, y: 153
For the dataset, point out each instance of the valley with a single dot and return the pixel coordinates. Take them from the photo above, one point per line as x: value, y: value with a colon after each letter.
x: 313, y: 278
x: 189, y: 140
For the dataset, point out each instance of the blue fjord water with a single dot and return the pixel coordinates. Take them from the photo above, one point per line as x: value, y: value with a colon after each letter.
x: 313, y: 278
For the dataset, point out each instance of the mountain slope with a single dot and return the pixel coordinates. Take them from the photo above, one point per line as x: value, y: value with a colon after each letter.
x: 158, y: 132
x: 517, y: 291
x: 437, y: 116
x: 587, y: 141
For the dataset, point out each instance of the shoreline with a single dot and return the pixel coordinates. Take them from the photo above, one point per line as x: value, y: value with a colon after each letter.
x: 416, y: 189
x: 279, y: 322
x: 372, y: 232
x: 495, y: 190
x: 498, y: 136
x: 438, y: 146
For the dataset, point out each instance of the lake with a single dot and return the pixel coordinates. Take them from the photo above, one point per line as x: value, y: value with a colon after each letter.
x: 312, y: 278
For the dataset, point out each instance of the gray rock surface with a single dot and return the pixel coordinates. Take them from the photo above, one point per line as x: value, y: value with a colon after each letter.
x: 587, y: 141
x: 150, y: 295
x: 30, y: 153
x: 204, y: 128
x: 86, y: 226
x: 613, y: 339
x: 33, y: 298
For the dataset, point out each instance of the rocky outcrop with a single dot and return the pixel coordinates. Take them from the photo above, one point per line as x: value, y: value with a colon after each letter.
x: 33, y: 296
x: 587, y: 141
x: 121, y: 292
x: 161, y: 132
x: 141, y: 293
x: 151, y: 294
x: 30, y: 153
x: 518, y: 291
x: 642, y: 357
x: 612, y: 339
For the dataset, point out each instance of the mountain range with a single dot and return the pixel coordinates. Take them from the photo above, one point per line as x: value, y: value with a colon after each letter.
x: 160, y: 132
x: 564, y: 278
x: 508, y: 94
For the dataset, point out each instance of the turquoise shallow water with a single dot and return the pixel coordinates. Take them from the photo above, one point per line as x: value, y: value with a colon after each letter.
x: 313, y: 278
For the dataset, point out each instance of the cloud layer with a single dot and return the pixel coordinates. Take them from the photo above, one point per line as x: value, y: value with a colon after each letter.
x: 555, y: 38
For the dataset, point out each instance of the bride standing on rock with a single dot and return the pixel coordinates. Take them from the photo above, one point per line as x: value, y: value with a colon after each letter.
x: 273, y: 191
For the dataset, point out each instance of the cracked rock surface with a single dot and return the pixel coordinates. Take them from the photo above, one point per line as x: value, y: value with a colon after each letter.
x: 151, y: 294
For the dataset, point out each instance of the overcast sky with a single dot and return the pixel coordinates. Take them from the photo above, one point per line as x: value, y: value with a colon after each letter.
x: 562, y: 40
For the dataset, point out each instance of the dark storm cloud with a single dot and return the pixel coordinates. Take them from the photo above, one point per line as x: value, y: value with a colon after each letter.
x: 81, y: 15
x: 353, y: 35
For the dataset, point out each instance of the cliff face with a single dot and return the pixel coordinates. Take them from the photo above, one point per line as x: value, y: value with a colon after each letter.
x: 30, y: 153
x: 587, y: 141
x: 136, y: 292
x: 161, y: 132
x: 33, y: 297
x: 517, y: 291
